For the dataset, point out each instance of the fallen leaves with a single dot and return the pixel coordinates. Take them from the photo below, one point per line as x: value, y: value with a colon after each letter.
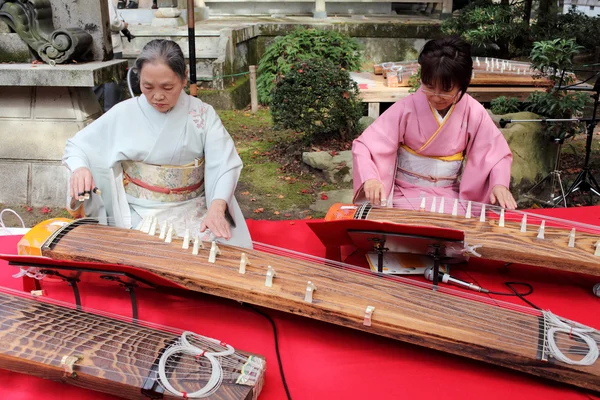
x: 45, y: 210
x: 259, y: 210
x: 324, y: 196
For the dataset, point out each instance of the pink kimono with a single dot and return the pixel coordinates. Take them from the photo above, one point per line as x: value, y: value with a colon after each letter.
x: 412, y: 124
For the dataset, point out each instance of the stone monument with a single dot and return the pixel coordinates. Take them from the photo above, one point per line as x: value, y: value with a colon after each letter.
x: 46, y: 98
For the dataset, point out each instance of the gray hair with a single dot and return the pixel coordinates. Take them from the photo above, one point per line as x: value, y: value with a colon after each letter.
x: 162, y: 50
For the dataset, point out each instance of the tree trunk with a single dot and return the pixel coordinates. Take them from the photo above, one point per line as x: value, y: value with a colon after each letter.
x: 527, y: 11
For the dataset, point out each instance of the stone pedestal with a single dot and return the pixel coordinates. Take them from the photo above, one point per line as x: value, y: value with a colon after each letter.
x: 167, y: 15
x: 320, y: 10
x: 40, y: 108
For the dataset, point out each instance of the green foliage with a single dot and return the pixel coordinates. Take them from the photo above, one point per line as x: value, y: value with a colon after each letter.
x: 414, y: 82
x: 505, y: 105
x: 574, y: 24
x: 550, y: 57
x: 485, y: 23
x: 319, y: 98
x: 303, y: 45
x: 558, y: 104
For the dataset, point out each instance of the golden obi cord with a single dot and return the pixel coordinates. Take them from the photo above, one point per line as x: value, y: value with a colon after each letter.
x: 163, y: 183
x: 427, y: 171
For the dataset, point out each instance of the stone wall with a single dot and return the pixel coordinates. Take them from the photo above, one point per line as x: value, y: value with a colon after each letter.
x: 33, y: 132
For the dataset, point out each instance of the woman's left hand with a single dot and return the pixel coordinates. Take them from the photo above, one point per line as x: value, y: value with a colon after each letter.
x: 502, y: 196
x: 215, y: 220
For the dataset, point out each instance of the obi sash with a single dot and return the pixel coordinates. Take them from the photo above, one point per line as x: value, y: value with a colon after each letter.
x: 170, y: 183
x: 427, y: 171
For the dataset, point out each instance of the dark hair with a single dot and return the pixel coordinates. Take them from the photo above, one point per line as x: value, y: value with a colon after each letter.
x: 447, y: 62
x: 163, y: 50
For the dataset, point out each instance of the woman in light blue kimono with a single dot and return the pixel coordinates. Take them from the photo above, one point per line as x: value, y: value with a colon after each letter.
x: 163, y: 156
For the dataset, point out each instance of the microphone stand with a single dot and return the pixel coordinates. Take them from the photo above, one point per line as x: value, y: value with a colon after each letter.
x: 585, y: 181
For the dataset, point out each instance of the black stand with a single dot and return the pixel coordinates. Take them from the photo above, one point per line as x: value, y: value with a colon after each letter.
x: 436, y: 254
x: 555, y: 182
x: 380, y: 249
x: 585, y: 181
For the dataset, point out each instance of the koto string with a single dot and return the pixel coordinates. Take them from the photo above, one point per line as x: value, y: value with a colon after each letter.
x: 81, y: 317
x: 214, y: 362
x: 146, y: 360
x: 484, y: 316
x: 177, y: 253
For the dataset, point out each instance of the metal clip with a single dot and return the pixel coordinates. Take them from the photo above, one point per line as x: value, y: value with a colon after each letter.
x: 163, y: 230
x: 197, y: 244
x: 68, y: 362
x: 170, y: 234
x: 152, y: 230
x: 243, y: 262
x: 540, y: 234
x: 214, y: 252
x: 310, y: 288
x: 146, y: 223
x: 470, y: 250
x: 572, y: 238
x: 186, y: 240
x: 524, y: 223
x: 432, y: 209
x: 270, y: 275
x: 468, y: 213
x: 368, y: 313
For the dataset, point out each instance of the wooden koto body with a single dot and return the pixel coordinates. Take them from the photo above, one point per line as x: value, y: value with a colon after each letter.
x: 502, y: 235
x: 516, y: 339
x: 102, y: 353
x: 487, y: 71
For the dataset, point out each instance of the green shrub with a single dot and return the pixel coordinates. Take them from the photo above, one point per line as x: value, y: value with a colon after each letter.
x: 302, y: 45
x: 505, y: 105
x: 414, y: 82
x: 574, y: 24
x: 485, y: 23
x: 550, y: 58
x: 319, y: 98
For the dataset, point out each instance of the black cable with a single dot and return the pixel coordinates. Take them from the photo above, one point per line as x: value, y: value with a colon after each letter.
x: 267, y: 316
x: 515, y: 292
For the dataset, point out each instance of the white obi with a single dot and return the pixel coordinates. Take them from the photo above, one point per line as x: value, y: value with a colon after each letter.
x: 427, y: 171
x: 172, y: 194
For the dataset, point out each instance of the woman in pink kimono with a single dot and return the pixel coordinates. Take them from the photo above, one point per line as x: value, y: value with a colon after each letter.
x: 437, y: 142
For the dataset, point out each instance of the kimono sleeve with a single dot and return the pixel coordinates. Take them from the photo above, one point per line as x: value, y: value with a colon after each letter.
x: 374, y: 153
x: 223, y: 165
x: 489, y: 159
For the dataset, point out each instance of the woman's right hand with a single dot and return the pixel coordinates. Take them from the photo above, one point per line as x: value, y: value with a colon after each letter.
x: 81, y: 181
x: 374, y: 192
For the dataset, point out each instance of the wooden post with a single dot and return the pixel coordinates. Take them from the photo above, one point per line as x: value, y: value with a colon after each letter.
x: 253, y: 92
x: 373, y: 110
